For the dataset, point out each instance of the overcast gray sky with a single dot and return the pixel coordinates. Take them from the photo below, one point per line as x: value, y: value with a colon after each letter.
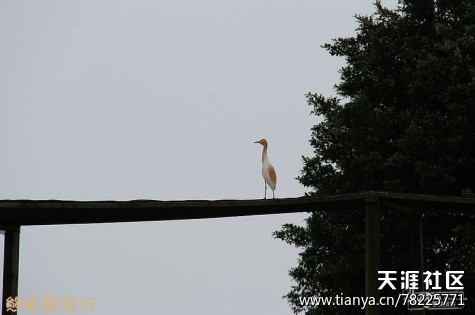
x: 119, y: 100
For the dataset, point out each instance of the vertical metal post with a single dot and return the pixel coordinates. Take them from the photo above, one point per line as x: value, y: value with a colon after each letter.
x: 373, y: 251
x: 11, y: 260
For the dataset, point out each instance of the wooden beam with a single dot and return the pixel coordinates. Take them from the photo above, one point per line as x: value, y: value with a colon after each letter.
x: 41, y: 212
x: 373, y: 251
x: 386, y: 204
x: 11, y: 263
x: 431, y: 202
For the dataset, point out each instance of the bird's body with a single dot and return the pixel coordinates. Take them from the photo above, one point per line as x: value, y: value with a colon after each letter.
x: 268, y: 171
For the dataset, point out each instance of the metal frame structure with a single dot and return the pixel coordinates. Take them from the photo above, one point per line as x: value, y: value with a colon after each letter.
x: 17, y: 213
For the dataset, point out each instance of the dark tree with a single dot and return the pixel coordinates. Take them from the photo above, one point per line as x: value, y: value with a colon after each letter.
x: 403, y: 121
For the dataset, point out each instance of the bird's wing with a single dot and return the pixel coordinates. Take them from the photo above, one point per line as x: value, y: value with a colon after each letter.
x: 273, y: 176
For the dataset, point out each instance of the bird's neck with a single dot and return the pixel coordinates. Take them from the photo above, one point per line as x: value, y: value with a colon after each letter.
x: 264, y: 154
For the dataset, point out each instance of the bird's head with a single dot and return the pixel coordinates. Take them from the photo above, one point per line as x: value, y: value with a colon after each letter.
x: 262, y: 141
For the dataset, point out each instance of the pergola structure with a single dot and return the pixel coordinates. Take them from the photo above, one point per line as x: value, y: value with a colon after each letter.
x: 17, y: 213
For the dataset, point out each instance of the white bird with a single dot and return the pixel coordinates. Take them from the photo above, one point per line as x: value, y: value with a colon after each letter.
x: 268, y: 170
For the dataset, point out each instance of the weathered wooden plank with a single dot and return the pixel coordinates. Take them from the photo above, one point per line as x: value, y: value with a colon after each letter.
x: 41, y: 212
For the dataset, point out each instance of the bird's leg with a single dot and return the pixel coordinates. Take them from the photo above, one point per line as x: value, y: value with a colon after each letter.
x: 265, y: 190
x: 273, y: 197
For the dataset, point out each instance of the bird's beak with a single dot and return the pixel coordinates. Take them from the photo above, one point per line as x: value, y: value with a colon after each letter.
x: 256, y: 141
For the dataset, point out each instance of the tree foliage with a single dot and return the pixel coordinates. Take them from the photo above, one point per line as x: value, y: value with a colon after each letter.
x: 403, y: 121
